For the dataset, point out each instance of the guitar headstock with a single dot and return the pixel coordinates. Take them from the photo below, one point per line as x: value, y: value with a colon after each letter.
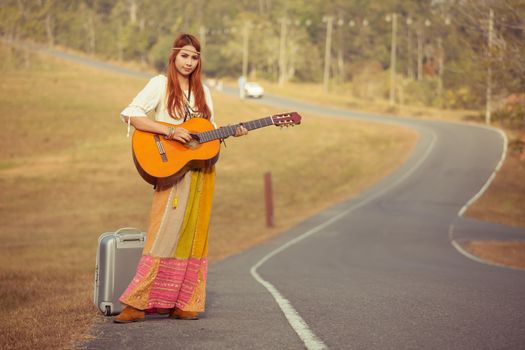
x: 286, y: 119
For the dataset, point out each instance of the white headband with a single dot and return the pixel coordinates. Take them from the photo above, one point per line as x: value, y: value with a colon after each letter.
x: 181, y: 48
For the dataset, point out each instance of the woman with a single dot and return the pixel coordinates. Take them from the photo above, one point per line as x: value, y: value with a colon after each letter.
x: 171, y: 274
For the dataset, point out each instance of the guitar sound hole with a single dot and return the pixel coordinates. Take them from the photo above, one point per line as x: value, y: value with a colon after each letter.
x: 193, y: 144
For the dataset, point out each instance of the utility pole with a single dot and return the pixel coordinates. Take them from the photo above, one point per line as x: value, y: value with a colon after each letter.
x: 120, y: 45
x: 441, y: 68
x: 393, y: 61
x: 49, y: 28
x: 340, y: 49
x: 132, y: 11
x: 419, y: 54
x: 245, y: 45
x: 282, y: 53
x: 410, y: 58
x: 202, y: 36
x: 489, y: 68
x: 328, y: 47
x: 420, y: 40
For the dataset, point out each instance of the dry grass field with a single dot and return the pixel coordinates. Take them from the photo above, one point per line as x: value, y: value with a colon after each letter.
x: 508, y: 253
x: 66, y: 176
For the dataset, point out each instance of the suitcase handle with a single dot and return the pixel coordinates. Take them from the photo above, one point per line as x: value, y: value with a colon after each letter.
x: 127, y: 230
x: 134, y: 233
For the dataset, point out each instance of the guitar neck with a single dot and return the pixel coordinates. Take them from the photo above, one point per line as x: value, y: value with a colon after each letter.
x: 226, y: 131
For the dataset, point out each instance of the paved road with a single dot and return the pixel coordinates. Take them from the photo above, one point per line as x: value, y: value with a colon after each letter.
x: 376, y: 272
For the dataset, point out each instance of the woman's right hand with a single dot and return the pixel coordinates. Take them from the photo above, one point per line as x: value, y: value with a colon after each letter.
x: 180, y: 134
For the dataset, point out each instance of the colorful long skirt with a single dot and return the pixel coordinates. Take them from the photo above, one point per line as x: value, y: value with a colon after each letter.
x: 173, y: 267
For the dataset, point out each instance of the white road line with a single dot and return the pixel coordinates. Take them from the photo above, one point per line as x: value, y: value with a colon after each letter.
x: 493, y: 175
x: 471, y: 256
x: 462, y: 211
x: 310, y: 340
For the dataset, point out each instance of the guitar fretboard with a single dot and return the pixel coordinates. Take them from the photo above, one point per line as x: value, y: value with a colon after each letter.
x: 226, y: 131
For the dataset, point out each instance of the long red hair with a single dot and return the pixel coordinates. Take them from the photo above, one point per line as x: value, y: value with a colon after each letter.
x: 175, y: 103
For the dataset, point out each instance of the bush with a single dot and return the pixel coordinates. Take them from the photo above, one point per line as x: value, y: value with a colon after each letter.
x: 512, y: 111
x: 369, y: 80
x: 159, y: 53
x: 459, y: 98
x: 422, y: 92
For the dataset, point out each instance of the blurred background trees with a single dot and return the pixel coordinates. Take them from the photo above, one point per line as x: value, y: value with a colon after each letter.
x: 448, y: 53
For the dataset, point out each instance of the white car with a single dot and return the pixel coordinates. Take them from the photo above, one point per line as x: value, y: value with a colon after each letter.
x: 253, y: 90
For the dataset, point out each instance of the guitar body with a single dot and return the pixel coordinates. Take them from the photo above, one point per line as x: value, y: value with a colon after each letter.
x: 162, y: 162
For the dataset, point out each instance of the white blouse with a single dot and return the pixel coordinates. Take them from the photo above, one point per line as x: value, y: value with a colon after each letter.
x: 153, y: 97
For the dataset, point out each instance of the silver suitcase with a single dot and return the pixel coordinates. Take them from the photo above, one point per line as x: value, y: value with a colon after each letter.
x: 118, y: 255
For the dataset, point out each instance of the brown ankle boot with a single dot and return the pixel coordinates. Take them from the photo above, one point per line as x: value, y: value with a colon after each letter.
x: 162, y: 311
x: 184, y: 315
x: 130, y: 314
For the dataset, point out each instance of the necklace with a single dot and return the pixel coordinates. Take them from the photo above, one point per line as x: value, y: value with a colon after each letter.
x: 187, y: 104
x: 190, y: 112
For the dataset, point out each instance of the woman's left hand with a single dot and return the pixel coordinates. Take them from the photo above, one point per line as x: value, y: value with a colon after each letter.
x: 241, y: 130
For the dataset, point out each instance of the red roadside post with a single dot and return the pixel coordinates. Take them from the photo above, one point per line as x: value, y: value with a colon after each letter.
x: 268, y: 198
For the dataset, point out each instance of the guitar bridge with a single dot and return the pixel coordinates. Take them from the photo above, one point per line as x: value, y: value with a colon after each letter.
x: 160, y: 148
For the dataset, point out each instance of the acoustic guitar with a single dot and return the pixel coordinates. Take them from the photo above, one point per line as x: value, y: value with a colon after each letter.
x: 161, y: 162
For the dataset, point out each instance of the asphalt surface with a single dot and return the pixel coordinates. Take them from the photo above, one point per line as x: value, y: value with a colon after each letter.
x: 377, y: 272
x: 382, y: 274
